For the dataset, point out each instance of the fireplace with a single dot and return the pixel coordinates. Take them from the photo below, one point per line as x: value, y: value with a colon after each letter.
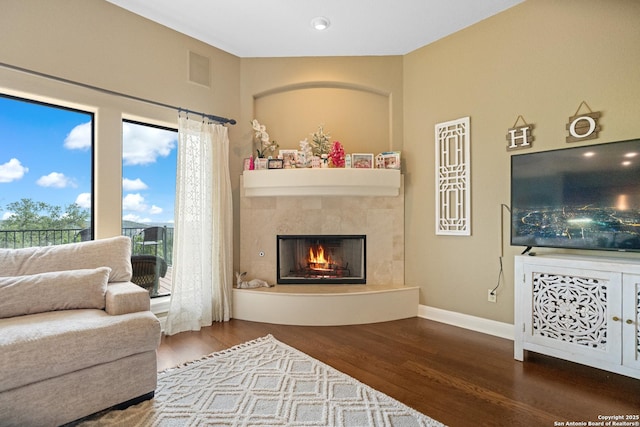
x: 325, y: 259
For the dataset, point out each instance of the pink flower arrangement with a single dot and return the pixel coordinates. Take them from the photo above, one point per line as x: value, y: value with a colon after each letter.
x: 336, y: 154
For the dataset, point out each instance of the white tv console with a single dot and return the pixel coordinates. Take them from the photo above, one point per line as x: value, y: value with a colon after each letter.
x: 579, y: 308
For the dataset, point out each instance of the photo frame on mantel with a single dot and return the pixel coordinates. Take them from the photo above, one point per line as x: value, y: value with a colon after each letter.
x: 362, y: 160
x: 275, y: 164
x: 261, y: 163
x: 289, y: 157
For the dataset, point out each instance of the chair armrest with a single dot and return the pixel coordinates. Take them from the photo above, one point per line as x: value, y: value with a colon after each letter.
x: 126, y: 297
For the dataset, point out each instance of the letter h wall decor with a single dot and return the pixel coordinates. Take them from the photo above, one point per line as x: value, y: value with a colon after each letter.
x: 453, y: 178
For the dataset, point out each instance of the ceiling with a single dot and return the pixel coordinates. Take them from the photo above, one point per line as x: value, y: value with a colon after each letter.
x: 282, y: 28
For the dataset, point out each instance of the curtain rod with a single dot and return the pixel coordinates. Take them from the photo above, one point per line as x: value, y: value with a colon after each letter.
x: 221, y: 120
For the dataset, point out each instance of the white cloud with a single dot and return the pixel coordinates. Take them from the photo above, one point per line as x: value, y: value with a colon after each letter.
x: 84, y: 200
x: 55, y: 180
x: 133, y: 184
x: 12, y: 170
x: 131, y: 217
x: 134, y: 202
x: 135, y: 218
x: 142, y: 145
x: 7, y: 215
x: 79, y: 138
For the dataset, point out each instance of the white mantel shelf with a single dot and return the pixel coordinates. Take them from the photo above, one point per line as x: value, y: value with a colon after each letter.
x: 321, y: 182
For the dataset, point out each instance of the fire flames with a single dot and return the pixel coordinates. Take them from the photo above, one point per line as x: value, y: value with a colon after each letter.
x: 317, y: 259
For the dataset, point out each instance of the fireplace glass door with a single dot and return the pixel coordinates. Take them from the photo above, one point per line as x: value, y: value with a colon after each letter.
x: 313, y: 259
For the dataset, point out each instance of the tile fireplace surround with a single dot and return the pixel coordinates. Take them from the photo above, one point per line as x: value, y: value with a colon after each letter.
x: 380, y: 218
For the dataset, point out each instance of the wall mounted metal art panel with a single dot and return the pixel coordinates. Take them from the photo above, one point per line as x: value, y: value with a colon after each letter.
x: 453, y: 177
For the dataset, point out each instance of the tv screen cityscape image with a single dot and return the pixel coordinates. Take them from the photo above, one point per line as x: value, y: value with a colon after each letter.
x: 584, y: 197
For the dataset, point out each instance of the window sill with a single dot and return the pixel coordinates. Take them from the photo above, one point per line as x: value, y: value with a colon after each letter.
x: 160, y: 305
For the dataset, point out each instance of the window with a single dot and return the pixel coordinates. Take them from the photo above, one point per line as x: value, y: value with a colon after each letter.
x: 149, y: 161
x: 46, y: 173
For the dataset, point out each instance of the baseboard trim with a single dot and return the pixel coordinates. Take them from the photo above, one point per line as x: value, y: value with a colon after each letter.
x: 478, y: 324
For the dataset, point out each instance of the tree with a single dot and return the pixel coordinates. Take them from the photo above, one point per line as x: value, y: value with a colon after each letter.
x: 29, y: 215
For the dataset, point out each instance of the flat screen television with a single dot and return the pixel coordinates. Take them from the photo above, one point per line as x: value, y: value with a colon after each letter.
x: 584, y: 197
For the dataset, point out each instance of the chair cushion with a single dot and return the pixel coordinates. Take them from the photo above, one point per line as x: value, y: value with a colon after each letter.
x: 58, y: 290
x: 45, y: 345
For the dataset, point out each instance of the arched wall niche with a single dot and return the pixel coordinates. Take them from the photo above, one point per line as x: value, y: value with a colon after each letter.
x: 357, y: 116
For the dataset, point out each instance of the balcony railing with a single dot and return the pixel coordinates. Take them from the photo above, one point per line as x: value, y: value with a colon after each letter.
x: 16, y: 239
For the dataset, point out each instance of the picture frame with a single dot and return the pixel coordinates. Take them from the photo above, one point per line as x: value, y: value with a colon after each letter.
x: 362, y: 160
x: 260, y: 163
x: 391, y: 159
x: 316, y: 162
x: 275, y: 164
x: 289, y: 157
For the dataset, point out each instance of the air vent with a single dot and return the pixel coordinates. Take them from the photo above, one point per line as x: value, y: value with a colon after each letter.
x: 199, y: 69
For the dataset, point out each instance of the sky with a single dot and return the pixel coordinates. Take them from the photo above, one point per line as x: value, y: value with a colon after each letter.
x: 45, y: 155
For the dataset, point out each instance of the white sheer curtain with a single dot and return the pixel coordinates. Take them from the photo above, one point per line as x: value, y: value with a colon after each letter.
x: 202, y: 246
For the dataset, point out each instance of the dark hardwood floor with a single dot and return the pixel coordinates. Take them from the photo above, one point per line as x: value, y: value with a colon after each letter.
x: 458, y: 377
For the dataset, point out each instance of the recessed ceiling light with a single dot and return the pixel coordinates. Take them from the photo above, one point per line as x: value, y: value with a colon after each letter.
x: 320, y: 23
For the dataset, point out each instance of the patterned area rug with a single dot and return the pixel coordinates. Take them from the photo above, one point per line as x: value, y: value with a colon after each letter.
x: 262, y: 383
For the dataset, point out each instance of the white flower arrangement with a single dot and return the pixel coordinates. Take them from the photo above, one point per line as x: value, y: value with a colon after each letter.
x: 262, y: 137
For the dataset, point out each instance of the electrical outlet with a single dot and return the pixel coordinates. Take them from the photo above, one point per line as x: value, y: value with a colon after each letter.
x: 492, y: 296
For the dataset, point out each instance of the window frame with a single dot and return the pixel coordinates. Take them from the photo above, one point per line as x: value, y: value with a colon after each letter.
x: 92, y: 154
x: 159, y: 301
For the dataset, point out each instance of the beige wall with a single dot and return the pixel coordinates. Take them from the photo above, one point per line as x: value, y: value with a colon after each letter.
x: 540, y: 59
x: 99, y: 44
x: 292, y: 96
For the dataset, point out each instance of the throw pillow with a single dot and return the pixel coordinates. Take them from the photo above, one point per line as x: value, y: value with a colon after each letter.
x: 51, y: 291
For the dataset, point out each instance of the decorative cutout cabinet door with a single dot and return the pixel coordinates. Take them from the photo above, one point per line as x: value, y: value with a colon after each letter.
x: 631, y: 321
x: 569, y: 311
x: 579, y: 309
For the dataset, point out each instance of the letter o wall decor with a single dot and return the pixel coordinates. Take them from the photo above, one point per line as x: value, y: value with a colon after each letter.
x: 453, y: 178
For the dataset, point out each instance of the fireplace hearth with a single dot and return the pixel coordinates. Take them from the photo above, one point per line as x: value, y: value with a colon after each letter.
x: 321, y: 259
